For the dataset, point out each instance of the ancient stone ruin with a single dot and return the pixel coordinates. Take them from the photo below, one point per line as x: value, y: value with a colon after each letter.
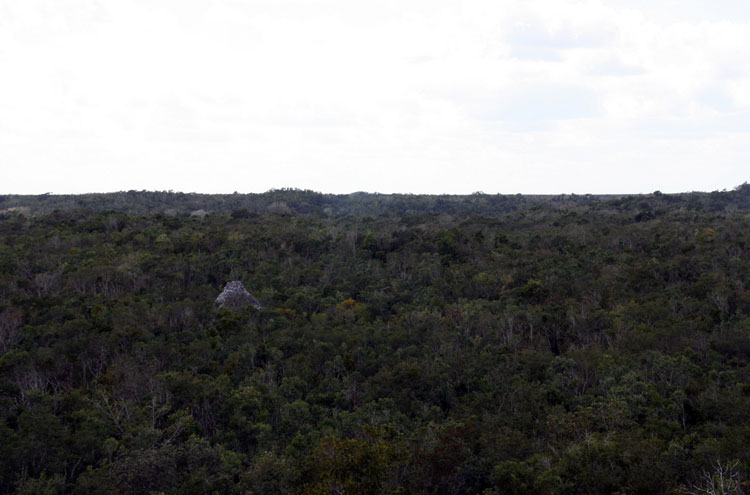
x: 235, y: 296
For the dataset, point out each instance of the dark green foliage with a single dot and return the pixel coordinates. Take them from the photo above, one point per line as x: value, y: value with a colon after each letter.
x: 406, y: 344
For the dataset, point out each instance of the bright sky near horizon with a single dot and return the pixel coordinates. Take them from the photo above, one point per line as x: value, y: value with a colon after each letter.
x: 420, y: 96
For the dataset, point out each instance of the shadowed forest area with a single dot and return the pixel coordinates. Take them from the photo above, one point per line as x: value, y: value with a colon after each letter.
x: 481, y: 344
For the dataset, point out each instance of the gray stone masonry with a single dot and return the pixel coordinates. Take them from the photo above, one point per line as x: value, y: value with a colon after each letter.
x: 235, y: 296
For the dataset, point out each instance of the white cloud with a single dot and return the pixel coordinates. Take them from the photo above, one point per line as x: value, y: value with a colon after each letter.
x: 334, y: 95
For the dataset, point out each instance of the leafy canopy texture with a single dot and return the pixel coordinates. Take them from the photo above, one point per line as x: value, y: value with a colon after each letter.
x: 405, y: 344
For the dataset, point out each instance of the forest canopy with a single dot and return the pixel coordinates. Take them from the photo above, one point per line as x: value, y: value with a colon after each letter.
x: 405, y: 344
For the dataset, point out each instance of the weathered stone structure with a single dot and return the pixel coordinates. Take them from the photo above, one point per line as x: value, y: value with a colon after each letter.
x: 235, y: 296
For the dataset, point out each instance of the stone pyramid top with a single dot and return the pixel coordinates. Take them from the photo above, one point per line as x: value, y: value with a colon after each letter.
x: 235, y: 296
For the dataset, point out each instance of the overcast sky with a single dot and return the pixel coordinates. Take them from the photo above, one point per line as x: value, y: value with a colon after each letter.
x: 421, y: 96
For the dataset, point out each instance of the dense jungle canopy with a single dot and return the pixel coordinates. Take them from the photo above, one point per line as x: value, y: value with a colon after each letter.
x: 406, y: 344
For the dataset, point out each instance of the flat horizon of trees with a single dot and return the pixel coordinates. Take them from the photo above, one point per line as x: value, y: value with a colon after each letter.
x: 289, y: 201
